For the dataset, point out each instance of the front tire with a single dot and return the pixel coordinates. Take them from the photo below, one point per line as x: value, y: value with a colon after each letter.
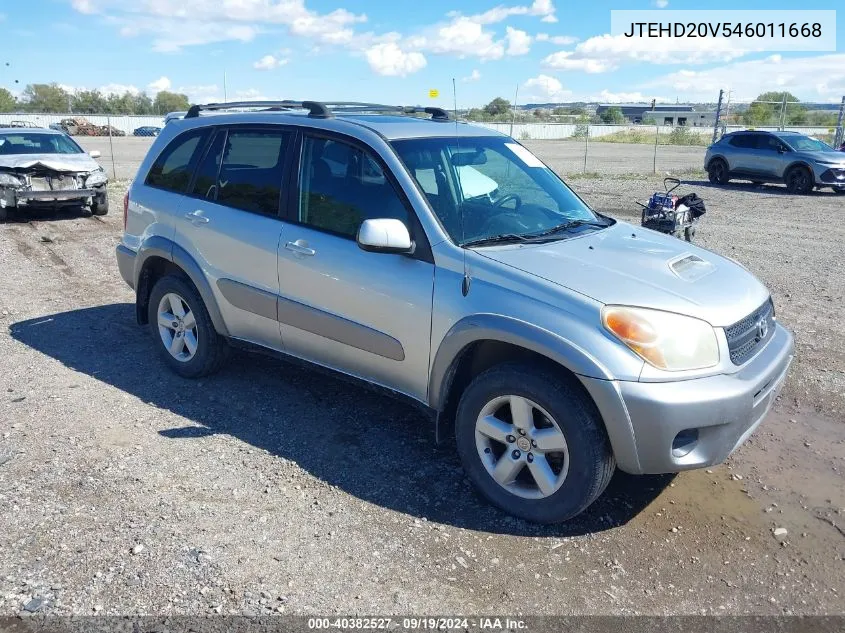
x: 4, y: 213
x: 717, y: 172
x: 185, y: 334
x: 533, y: 443
x: 100, y: 205
x: 799, y: 180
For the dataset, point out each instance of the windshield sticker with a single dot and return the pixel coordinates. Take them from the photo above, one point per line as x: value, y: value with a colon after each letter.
x: 527, y: 157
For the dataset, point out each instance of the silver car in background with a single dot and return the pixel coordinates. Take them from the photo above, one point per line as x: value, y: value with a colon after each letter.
x: 46, y: 168
x: 446, y: 263
x: 801, y: 162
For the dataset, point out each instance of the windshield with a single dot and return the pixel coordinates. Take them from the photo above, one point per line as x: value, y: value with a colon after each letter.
x: 37, y: 143
x: 807, y: 144
x: 489, y: 187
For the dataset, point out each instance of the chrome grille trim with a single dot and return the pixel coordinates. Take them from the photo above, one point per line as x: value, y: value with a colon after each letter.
x: 747, y: 336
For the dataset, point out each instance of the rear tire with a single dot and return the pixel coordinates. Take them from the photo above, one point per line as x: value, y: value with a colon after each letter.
x: 799, y: 180
x: 183, y: 330
x: 558, y: 467
x: 717, y: 172
x: 839, y: 191
x: 4, y: 213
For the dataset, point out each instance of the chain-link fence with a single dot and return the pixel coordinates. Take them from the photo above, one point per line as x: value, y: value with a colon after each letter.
x: 569, y: 148
x: 613, y: 149
x: 782, y: 112
x: 121, y: 140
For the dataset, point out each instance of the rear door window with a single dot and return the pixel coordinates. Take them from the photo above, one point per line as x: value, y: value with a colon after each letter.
x: 173, y: 168
x: 743, y: 141
x: 252, y: 169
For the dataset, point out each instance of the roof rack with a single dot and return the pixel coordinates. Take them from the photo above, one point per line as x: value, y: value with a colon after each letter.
x: 320, y: 109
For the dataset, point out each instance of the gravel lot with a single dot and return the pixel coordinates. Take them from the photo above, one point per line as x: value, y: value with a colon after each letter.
x: 273, y: 488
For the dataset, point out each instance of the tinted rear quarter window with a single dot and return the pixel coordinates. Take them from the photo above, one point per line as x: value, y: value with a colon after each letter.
x: 173, y: 168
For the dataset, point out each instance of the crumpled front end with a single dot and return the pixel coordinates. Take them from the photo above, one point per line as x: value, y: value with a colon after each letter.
x: 43, y: 187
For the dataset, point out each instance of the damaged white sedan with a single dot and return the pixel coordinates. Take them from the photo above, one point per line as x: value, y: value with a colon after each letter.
x: 47, y: 168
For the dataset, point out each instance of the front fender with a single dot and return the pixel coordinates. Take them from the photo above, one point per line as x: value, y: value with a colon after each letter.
x: 593, y: 375
x: 157, y: 246
x: 496, y: 327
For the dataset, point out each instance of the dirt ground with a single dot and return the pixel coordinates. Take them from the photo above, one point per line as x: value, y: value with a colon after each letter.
x: 273, y: 488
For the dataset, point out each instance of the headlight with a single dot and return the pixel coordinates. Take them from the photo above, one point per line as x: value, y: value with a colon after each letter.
x: 10, y: 180
x: 96, y: 178
x: 666, y: 340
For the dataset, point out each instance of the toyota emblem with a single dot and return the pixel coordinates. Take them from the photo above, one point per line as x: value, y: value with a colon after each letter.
x: 762, y: 329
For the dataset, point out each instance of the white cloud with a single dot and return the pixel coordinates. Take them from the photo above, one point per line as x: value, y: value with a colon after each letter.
x: 194, y: 22
x: 84, y: 6
x: 561, y: 40
x: 519, y: 42
x: 390, y: 60
x: 605, y: 96
x: 819, y: 78
x: 118, y: 89
x: 567, y: 60
x: 462, y: 37
x: 543, y: 8
x: 473, y: 76
x: 544, y: 87
x: 162, y: 83
x: 661, y: 4
x: 605, y: 53
x: 269, y: 62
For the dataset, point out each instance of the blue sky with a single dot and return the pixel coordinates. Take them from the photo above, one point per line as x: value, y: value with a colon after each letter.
x: 554, y: 50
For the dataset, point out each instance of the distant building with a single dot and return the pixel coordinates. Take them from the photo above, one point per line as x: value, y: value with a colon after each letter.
x: 680, y: 118
x: 634, y: 112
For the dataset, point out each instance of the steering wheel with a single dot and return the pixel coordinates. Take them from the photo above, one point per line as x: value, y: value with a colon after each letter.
x: 507, y: 198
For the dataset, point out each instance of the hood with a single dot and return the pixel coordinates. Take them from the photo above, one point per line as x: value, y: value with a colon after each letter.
x: 56, y: 162
x: 832, y: 157
x: 629, y: 265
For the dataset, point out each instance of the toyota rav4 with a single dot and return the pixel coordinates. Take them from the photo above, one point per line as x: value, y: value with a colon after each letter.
x: 446, y: 263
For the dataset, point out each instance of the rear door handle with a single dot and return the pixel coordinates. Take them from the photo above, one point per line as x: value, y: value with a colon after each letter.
x: 197, y: 217
x: 300, y: 247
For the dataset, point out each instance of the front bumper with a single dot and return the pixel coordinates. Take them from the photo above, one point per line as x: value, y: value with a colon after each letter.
x: 833, y: 176
x: 21, y: 197
x: 718, y: 412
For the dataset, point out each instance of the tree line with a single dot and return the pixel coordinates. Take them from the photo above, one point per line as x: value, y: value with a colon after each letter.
x: 52, y: 98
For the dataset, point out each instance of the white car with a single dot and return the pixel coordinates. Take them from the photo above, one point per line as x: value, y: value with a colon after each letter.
x: 41, y: 168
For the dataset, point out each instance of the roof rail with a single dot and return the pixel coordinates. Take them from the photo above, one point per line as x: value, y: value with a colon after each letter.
x: 319, y: 109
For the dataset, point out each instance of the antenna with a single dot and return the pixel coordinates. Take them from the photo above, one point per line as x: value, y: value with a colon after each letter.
x: 225, y: 97
x: 513, y: 118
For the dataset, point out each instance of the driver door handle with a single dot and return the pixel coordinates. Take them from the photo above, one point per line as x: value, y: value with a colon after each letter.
x: 300, y: 247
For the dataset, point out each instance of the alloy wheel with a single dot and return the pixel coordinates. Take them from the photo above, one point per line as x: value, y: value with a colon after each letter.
x: 177, y: 327
x: 522, y: 447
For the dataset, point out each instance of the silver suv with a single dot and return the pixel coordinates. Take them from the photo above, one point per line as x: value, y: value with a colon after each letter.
x: 448, y: 264
x: 801, y: 162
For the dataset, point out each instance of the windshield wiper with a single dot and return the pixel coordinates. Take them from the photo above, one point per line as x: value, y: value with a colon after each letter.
x: 560, y: 228
x: 496, y: 239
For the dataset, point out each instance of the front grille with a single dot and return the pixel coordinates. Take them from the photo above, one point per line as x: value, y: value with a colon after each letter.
x: 749, y: 335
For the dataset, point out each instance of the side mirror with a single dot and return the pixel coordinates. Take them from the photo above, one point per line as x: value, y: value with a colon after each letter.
x: 781, y: 150
x: 94, y: 153
x: 385, y: 235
